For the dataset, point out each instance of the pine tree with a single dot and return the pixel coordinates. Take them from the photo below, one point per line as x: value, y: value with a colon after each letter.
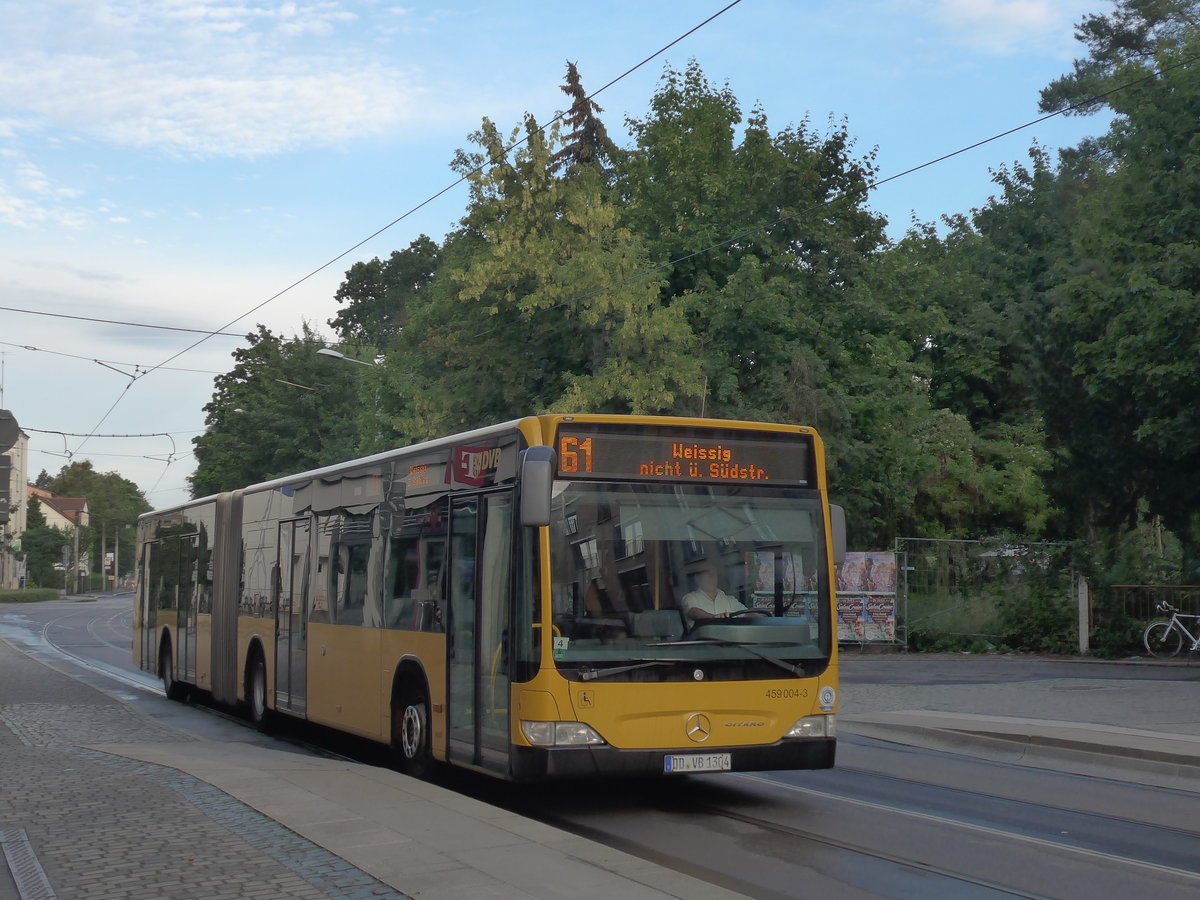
x: 587, y: 142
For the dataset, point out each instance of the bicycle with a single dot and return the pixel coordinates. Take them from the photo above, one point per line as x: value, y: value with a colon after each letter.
x: 1164, y: 637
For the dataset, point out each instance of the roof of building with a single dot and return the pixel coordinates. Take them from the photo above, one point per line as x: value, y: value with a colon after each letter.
x: 73, y: 509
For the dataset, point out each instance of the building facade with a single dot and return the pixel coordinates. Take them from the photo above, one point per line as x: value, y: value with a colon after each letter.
x: 14, y: 473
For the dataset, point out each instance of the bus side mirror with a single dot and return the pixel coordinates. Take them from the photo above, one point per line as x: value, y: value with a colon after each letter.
x: 837, y: 527
x: 538, y: 465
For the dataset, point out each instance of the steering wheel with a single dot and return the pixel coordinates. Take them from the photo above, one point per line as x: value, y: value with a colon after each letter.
x: 737, y: 614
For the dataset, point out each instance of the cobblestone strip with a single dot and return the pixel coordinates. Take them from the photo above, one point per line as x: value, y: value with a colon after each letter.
x: 27, y: 872
x: 316, y: 865
x: 56, y: 725
x: 72, y: 790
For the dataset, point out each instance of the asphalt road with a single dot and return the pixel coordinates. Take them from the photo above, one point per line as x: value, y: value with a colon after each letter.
x: 892, y: 820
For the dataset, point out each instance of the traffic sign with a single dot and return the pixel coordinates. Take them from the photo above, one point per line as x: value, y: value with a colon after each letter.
x: 9, y: 430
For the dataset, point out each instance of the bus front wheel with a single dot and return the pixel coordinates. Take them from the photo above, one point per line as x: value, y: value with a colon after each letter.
x: 410, y: 732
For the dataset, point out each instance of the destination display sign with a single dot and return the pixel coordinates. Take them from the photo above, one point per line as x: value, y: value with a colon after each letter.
x: 666, y: 453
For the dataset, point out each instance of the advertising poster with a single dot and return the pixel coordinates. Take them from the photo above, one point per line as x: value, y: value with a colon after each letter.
x: 866, y: 598
x: 767, y: 570
x: 850, y: 624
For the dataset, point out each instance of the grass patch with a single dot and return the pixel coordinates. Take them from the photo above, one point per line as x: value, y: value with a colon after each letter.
x: 29, y: 595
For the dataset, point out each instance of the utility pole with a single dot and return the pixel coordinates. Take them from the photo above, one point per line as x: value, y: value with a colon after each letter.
x: 75, y: 562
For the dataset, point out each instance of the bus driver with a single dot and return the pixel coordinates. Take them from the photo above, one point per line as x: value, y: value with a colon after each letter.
x: 708, y: 601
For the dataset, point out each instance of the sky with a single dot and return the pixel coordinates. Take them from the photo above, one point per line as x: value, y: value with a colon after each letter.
x: 215, y: 164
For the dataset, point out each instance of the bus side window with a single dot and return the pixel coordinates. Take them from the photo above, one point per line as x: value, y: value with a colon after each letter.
x: 429, y: 598
x: 353, y: 583
x: 318, y: 611
x: 403, y: 583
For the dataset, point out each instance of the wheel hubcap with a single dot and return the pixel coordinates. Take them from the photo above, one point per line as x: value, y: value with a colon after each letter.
x: 411, y: 732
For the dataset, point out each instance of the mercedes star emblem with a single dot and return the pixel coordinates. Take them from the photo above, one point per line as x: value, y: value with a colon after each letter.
x: 699, y: 728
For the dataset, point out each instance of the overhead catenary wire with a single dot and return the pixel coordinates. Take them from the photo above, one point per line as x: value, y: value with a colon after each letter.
x: 108, y: 363
x: 397, y: 220
x: 453, y: 184
x: 674, y: 261
x: 80, y: 434
x: 41, y: 312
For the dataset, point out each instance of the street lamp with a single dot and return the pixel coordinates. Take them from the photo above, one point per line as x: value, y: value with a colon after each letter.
x: 326, y: 351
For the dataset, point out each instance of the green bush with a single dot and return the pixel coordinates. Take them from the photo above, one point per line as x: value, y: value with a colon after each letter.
x: 1117, y: 634
x: 1039, y: 623
x: 29, y: 595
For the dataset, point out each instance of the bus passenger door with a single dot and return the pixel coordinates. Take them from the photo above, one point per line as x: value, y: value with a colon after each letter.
x: 481, y: 529
x: 148, y: 604
x: 291, y: 586
x: 185, y: 626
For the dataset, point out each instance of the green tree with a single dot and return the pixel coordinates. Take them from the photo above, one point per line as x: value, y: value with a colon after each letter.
x: 781, y: 271
x: 114, y: 504
x: 587, y: 143
x: 1131, y: 305
x: 1124, y: 42
x: 540, y: 304
x: 280, y: 409
x: 719, y: 267
x: 999, y: 266
x: 42, y: 546
x: 377, y: 294
x: 765, y: 239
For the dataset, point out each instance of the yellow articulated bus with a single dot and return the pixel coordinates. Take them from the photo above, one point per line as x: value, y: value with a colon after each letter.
x: 555, y: 596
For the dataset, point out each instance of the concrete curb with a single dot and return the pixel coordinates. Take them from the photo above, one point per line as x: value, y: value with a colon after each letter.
x: 1122, y: 754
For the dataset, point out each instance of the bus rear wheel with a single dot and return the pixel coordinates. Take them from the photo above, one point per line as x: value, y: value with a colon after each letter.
x: 410, y: 732
x: 256, y: 692
x: 166, y: 671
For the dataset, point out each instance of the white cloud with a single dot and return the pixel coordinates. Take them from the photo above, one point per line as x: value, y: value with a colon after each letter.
x: 159, y: 106
x: 32, y: 178
x: 32, y: 202
x: 195, y: 79
x: 30, y: 198
x: 1009, y: 26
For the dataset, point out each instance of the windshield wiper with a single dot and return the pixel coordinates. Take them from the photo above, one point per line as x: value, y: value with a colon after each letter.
x: 795, y: 670
x: 593, y: 674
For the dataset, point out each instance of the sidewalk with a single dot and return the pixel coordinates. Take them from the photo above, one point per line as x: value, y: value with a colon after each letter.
x: 102, y: 800
x: 105, y: 798
x: 1133, y: 729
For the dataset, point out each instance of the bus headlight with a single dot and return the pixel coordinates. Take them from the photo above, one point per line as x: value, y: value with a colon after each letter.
x: 559, y: 734
x: 814, y: 727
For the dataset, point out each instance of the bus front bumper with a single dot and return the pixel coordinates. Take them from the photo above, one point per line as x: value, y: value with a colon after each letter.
x: 535, y: 763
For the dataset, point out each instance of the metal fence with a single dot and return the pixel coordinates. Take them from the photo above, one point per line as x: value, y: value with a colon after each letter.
x: 1120, y: 613
x: 962, y: 594
x: 1140, y: 601
x: 981, y: 594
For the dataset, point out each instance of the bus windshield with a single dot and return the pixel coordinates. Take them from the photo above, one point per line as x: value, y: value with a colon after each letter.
x: 665, y: 582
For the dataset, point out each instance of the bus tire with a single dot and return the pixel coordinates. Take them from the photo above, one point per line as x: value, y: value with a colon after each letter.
x: 166, y: 671
x: 411, y: 742
x: 256, y: 691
